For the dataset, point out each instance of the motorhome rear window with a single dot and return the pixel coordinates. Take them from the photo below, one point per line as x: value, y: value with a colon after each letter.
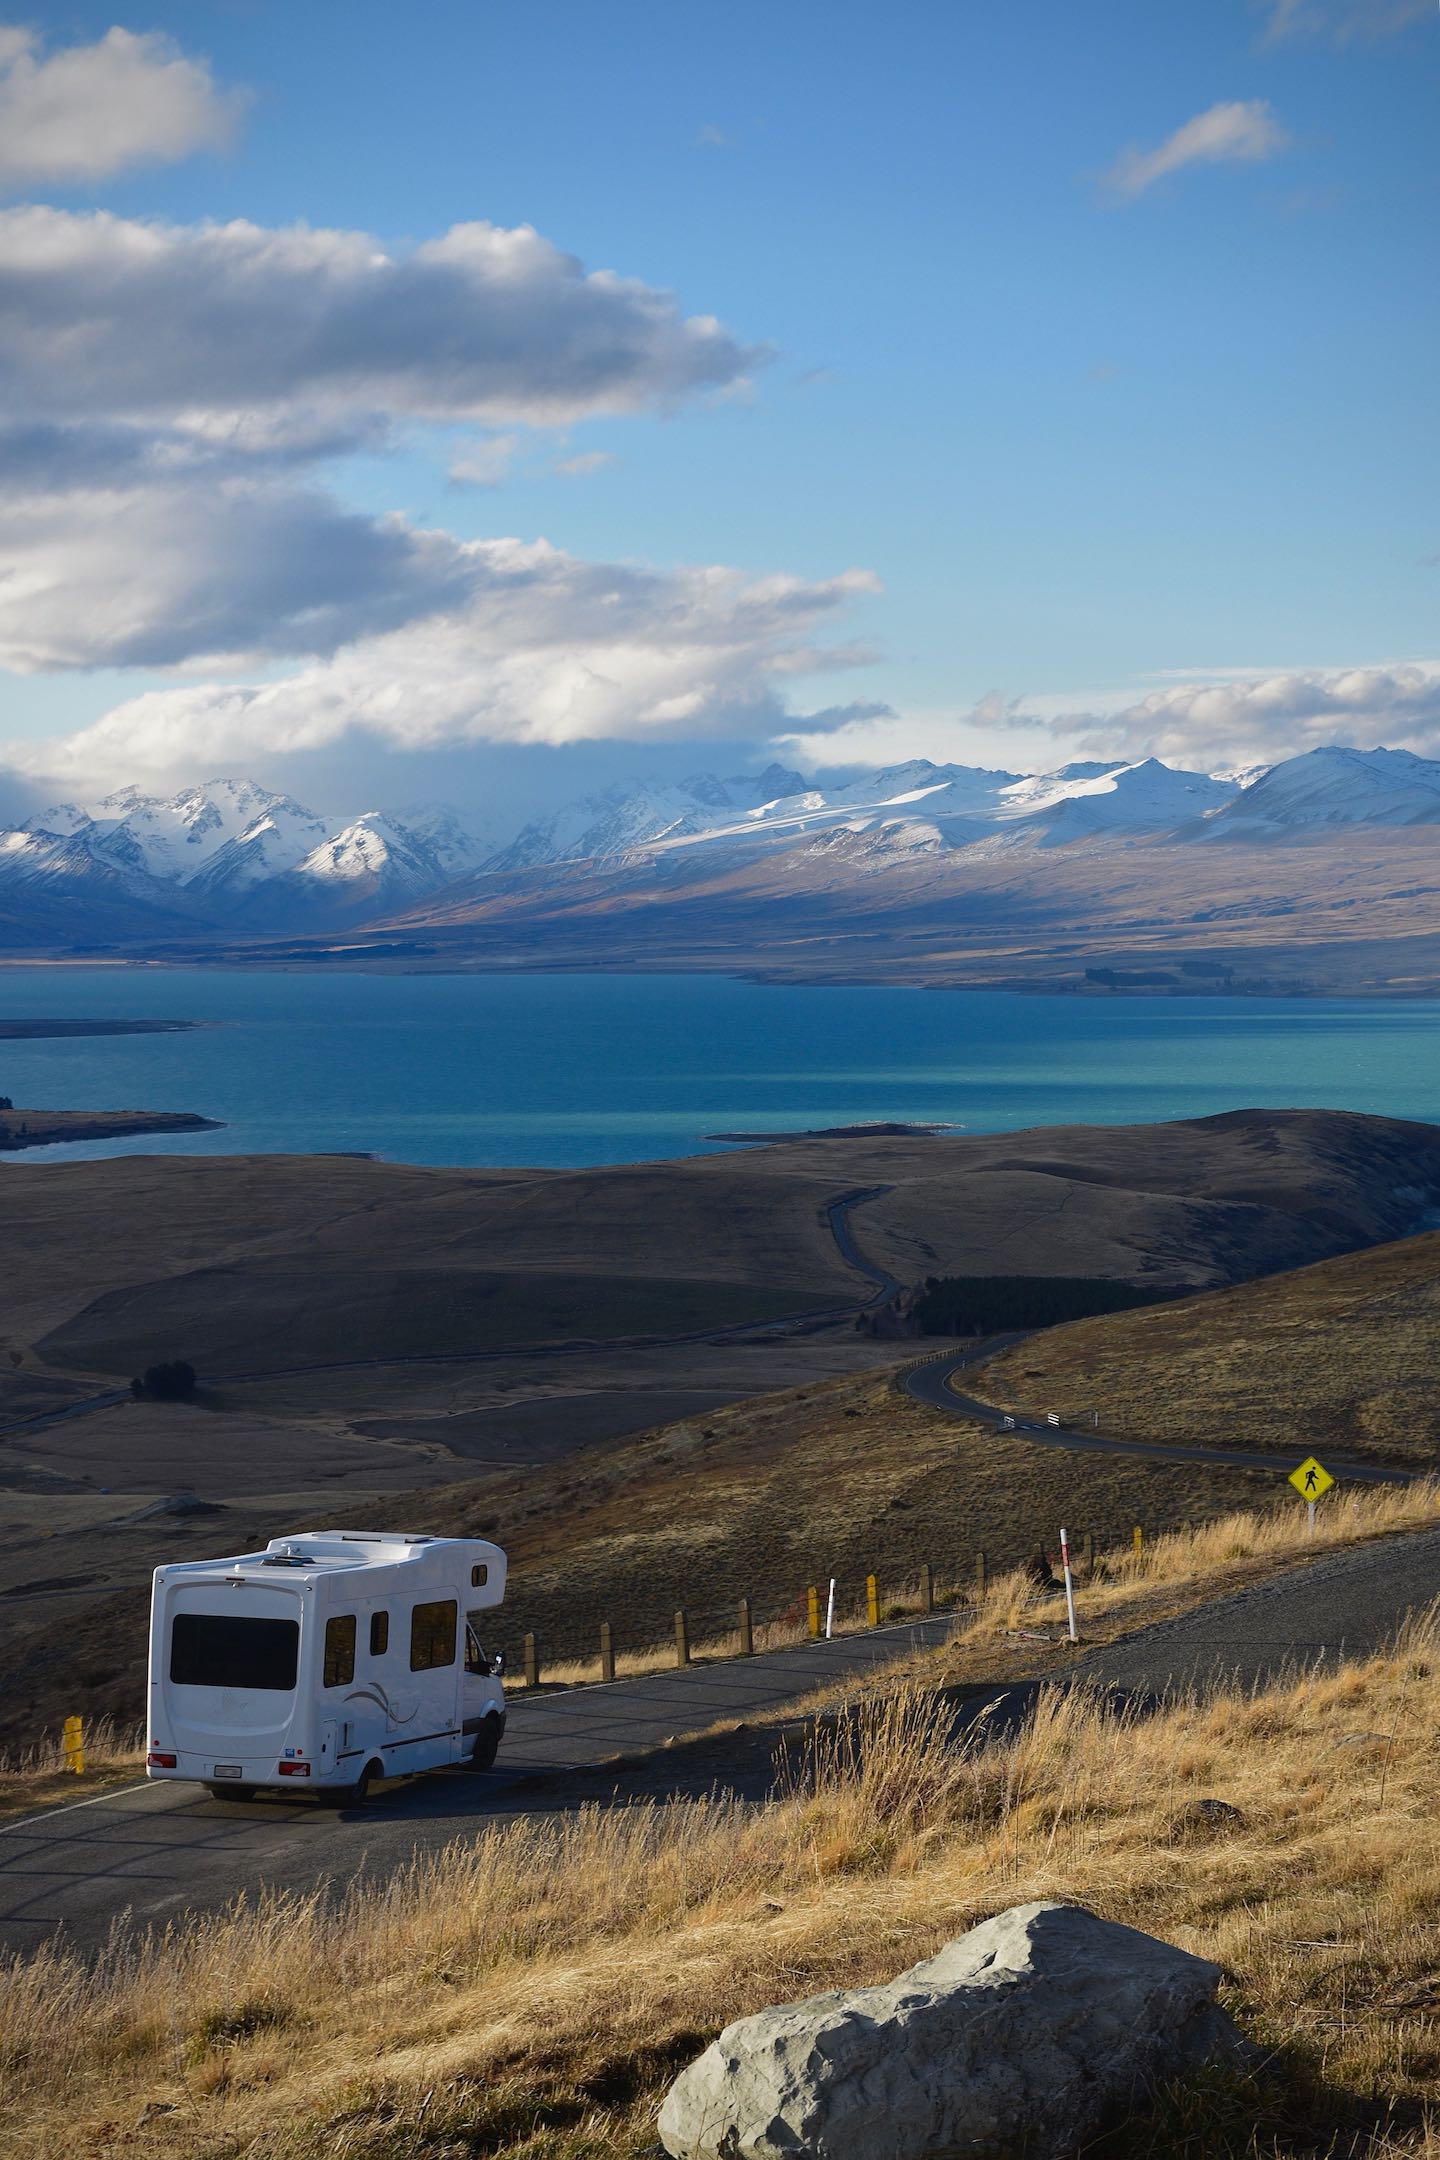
x: 226, y: 1650
x: 339, y: 1650
x: 432, y: 1635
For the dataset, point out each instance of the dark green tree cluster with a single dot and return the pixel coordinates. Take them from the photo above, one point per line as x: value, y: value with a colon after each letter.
x: 994, y: 1304
x: 172, y: 1382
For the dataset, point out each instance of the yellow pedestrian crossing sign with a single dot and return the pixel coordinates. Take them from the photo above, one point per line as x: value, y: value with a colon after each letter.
x: 1311, y: 1479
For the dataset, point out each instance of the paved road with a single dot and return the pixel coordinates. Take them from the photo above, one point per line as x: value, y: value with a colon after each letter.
x: 156, y: 1850
x: 934, y: 1383
x: 159, y: 1849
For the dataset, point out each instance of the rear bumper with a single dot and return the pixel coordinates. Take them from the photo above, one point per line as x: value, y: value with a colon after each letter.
x: 240, y: 1770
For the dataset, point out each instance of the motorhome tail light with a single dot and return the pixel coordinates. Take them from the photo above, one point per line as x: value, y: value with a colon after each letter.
x: 157, y: 1759
x: 293, y: 1769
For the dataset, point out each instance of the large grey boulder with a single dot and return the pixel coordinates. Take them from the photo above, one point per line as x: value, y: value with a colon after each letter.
x: 1024, y: 2036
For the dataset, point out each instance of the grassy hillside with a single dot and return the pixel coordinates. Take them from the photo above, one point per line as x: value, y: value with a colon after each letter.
x: 107, y: 1260
x: 769, y: 1496
x: 761, y: 1497
x: 1339, y: 1358
x: 530, y: 1992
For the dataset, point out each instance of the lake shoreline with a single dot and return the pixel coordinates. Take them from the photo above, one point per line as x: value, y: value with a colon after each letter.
x: 54, y: 1128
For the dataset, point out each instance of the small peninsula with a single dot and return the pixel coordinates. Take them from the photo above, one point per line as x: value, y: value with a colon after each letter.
x: 43, y: 1128
x: 29, y: 1030
x: 883, y: 1130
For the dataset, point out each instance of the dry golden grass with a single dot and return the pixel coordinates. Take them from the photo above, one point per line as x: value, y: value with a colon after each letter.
x: 41, y: 1775
x: 766, y: 1497
x: 1338, y: 1357
x: 1209, y: 1559
x: 532, y: 1991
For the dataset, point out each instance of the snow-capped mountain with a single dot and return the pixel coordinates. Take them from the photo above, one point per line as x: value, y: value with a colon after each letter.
x: 638, y: 813
x: 1329, y: 789
x: 374, y: 865
x: 227, y: 852
x: 1086, y: 802
x: 282, y: 835
x: 231, y: 859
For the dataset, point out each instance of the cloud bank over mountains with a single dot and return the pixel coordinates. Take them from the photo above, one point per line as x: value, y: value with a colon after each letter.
x: 537, y: 647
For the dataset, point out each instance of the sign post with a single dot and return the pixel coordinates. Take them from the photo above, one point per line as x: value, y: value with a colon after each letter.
x: 1312, y: 1481
x: 1069, y: 1584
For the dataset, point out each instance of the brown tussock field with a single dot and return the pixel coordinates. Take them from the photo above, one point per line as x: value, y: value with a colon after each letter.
x: 532, y: 1991
x: 1339, y: 1356
x: 764, y: 1498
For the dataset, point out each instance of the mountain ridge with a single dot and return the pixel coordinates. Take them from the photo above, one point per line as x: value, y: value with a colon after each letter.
x: 231, y: 860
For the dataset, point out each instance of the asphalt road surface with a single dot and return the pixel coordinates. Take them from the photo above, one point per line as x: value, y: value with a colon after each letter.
x: 156, y: 1851
x: 934, y: 1383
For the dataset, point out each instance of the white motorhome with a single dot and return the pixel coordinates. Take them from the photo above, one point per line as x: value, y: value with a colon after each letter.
x: 329, y: 1660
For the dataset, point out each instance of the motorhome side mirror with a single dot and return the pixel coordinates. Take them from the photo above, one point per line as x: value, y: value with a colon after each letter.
x: 497, y: 1663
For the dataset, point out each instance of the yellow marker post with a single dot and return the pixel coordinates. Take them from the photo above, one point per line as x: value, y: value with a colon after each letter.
x: 1311, y: 1480
x: 74, y: 1745
x: 812, y: 1613
x: 872, y: 1601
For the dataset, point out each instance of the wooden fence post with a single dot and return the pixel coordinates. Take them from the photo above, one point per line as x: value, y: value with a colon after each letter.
x: 872, y: 1601
x: 532, y: 1662
x: 927, y: 1588
x: 682, y: 1638
x: 812, y: 1614
x: 747, y: 1632
x: 982, y: 1575
x: 607, y: 1651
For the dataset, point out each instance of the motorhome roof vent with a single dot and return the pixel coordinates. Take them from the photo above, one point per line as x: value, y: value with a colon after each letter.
x: 287, y: 1556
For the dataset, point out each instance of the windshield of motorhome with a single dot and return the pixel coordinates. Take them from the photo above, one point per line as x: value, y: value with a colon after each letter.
x: 224, y: 1650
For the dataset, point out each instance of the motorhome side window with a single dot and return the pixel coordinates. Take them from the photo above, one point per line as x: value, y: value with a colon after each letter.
x: 432, y: 1634
x: 231, y: 1651
x: 379, y: 1633
x: 339, y: 1650
x: 475, y: 1658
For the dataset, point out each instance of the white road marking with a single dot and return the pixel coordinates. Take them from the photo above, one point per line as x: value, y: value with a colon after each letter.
x: 73, y: 1807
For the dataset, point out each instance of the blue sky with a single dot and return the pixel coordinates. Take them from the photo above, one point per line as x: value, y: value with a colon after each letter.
x: 1125, y: 448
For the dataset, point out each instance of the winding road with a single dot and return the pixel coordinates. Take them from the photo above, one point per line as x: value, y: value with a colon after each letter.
x: 934, y: 1383
x: 154, y: 1852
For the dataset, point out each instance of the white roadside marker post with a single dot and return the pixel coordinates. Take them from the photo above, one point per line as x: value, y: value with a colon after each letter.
x: 1069, y: 1583
x: 830, y: 1611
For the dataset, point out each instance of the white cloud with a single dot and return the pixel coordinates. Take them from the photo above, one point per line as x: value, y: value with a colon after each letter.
x: 871, y: 735
x: 539, y: 648
x: 585, y: 462
x: 483, y: 324
x: 1242, y: 132
x: 165, y: 389
x: 198, y: 566
x: 485, y: 462
x: 1259, y: 718
x: 711, y: 137
x: 88, y: 111
x: 1343, y: 22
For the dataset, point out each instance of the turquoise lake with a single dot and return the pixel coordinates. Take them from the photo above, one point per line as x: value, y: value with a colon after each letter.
x: 573, y: 1069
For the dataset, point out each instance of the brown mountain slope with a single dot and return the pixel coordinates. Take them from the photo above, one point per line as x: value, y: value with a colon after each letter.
x: 1336, y: 1357
x: 1360, y: 910
x: 260, y: 1262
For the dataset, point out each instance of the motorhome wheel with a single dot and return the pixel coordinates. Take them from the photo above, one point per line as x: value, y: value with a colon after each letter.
x: 487, y: 1743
